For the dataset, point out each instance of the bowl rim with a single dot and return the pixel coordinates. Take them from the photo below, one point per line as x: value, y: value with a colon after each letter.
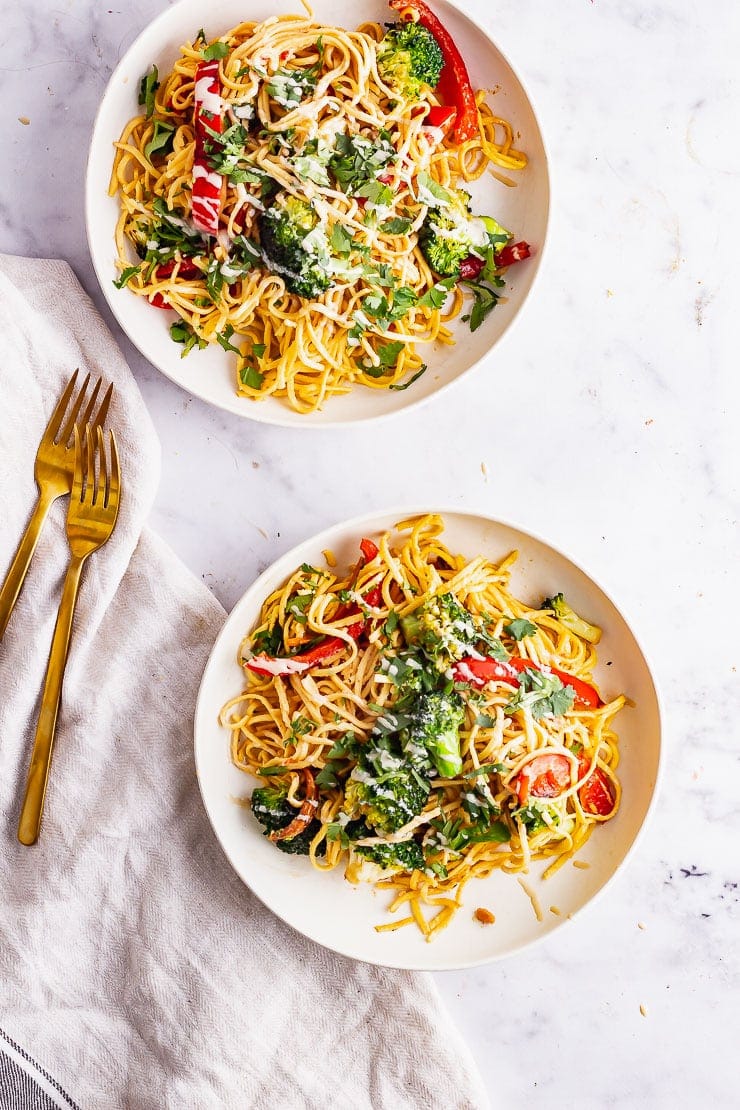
x: 253, y: 411
x: 399, y: 513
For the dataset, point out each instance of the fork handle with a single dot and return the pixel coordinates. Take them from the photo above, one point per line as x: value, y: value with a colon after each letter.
x: 38, y: 771
x: 19, y: 567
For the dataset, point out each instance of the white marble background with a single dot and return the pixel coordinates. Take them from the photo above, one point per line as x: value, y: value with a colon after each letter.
x: 609, y: 424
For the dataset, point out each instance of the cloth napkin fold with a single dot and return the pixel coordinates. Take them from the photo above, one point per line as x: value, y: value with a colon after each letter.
x: 135, y: 968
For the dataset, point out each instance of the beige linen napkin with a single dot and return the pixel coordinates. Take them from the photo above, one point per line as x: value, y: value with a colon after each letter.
x: 135, y: 968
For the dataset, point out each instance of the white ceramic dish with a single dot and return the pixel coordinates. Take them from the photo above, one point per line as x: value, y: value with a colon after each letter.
x: 327, y: 909
x: 209, y: 374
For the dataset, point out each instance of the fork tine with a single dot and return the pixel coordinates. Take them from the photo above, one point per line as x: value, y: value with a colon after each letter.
x: 79, y: 467
x: 103, y: 476
x: 90, y: 489
x: 99, y: 420
x: 56, y: 417
x: 114, y: 479
x: 104, y: 406
x: 85, y: 418
x: 66, y: 431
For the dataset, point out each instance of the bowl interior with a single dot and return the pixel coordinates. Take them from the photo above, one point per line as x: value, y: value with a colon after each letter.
x: 340, y: 916
x: 209, y: 374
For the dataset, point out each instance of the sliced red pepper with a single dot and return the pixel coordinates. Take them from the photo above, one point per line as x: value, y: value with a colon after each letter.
x: 368, y: 549
x: 305, y: 814
x: 330, y: 645
x: 440, y: 115
x: 597, y: 795
x: 480, y: 671
x: 545, y: 776
x: 207, y: 114
x: 454, y: 86
x: 513, y: 252
x: 187, y: 270
x: 470, y: 267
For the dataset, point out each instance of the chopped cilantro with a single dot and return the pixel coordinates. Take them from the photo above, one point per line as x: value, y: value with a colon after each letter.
x: 216, y: 51
x: 544, y: 695
x: 126, y: 276
x: 182, y: 332
x: 147, y: 88
x: 161, y: 140
x: 399, y: 225
x: 223, y: 338
x: 250, y: 376
x: 519, y: 628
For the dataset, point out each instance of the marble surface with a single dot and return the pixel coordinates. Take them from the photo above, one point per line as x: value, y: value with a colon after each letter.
x: 608, y: 424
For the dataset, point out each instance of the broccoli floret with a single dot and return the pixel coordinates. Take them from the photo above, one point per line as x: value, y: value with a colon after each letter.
x: 283, y: 230
x: 404, y: 856
x: 409, y: 56
x: 436, y: 726
x: 441, y: 627
x: 386, y: 787
x: 446, y: 235
x: 272, y: 809
x: 571, y: 620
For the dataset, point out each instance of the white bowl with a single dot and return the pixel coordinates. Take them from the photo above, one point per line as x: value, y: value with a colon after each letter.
x: 210, y: 374
x: 329, y: 910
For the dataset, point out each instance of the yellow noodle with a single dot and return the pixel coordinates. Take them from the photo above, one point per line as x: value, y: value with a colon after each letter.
x: 293, y: 722
x: 297, y: 349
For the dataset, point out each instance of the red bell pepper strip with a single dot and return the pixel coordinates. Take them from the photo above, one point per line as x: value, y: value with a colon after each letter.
x: 440, y: 115
x: 454, y: 85
x: 511, y: 253
x: 330, y: 645
x: 207, y: 113
x: 545, y: 776
x: 597, y: 794
x: 480, y: 671
x: 188, y: 270
x: 369, y: 550
x: 305, y: 814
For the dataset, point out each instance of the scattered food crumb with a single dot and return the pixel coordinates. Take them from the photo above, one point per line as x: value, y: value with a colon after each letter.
x: 610, y: 292
x: 24, y: 120
x: 569, y: 917
x: 484, y: 916
x: 263, y: 533
x: 255, y: 465
x: 641, y: 925
x: 581, y: 864
x: 330, y: 557
x: 643, y: 1011
x: 484, y: 470
x: 649, y: 421
x: 556, y: 910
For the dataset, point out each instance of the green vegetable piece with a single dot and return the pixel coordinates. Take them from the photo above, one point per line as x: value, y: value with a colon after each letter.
x: 519, y: 628
x: 409, y: 57
x: 147, y: 89
x: 571, y: 620
x: 436, y: 721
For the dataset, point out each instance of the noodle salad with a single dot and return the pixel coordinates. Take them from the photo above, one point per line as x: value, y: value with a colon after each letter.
x: 413, y: 722
x: 296, y: 193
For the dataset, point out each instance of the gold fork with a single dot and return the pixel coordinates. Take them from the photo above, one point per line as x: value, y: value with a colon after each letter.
x: 53, y: 471
x: 93, y: 508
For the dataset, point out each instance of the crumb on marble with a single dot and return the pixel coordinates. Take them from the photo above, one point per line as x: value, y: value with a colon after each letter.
x: 649, y: 421
x: 641, y: 925
x: 484, y: 470
x: 255, y: 465
x: 610, y: 292
x: 643, y: 1011
x: 24, y: 120
x: 484, y: 916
